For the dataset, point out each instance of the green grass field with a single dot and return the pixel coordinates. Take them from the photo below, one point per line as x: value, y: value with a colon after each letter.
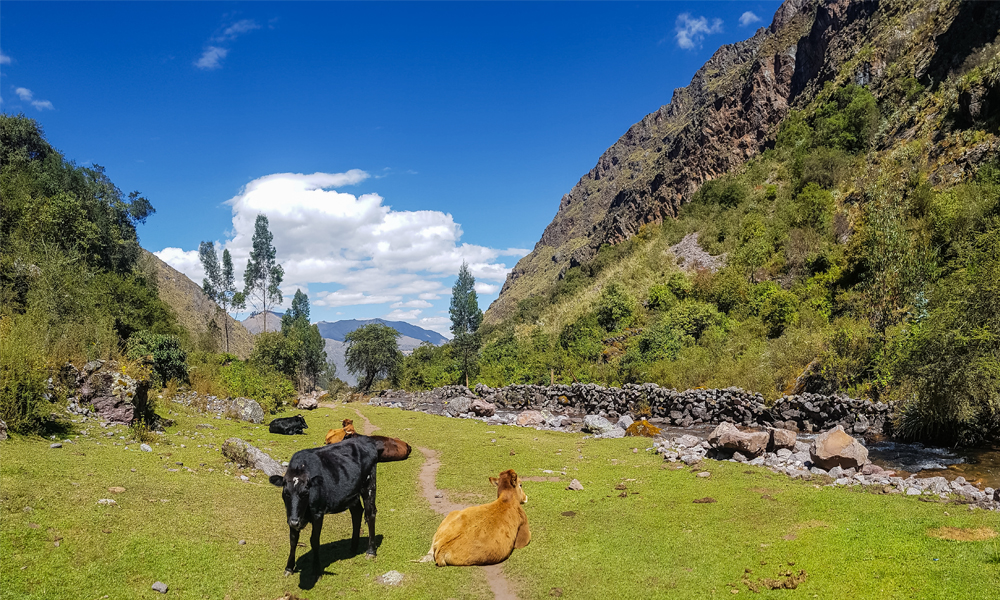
x: 183, y: 528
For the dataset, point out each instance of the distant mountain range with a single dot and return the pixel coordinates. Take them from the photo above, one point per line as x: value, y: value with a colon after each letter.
x: 338, y: 329
x: 334, y: 333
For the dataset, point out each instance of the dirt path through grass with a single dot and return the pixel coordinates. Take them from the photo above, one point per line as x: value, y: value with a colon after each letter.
x: 438, y: 500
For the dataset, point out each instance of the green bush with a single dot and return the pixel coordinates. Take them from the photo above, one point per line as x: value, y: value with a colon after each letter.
x: 582, y: 338
x: 616, y: 308
x: 660, y: 297
x: 169, y: 360
x: 274, y: 350
x: 692, y: 318
x: 267, y: 386
x: 23, y: 374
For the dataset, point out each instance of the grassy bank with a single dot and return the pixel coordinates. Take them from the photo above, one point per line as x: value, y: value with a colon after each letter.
x: 183, y: 527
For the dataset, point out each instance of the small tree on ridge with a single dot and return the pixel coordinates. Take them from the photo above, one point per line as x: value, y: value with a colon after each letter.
x: 263, y: 275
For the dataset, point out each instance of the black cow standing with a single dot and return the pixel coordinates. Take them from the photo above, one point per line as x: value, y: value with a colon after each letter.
x: 333, y: 479
x: 288, y: 425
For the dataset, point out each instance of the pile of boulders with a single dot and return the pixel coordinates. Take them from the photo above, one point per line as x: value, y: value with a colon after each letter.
x: 101, y: 391
x: 803, y: 412
x: 833, y: 457
x: 242, y: 409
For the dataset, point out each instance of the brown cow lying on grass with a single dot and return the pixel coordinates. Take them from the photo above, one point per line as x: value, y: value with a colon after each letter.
x: 485, y: 534
x: 335, y: 435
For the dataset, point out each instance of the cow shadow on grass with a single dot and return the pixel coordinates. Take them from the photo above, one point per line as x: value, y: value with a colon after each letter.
x: 328, y: 554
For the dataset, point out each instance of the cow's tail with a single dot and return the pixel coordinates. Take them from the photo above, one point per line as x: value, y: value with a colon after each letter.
x: 391, y: 449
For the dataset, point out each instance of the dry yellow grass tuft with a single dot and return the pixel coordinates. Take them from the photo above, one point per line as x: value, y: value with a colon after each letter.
x: 963, y: 534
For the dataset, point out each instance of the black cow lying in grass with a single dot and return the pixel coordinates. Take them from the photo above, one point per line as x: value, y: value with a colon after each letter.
x: 288, y: 425
x: 333, y: 479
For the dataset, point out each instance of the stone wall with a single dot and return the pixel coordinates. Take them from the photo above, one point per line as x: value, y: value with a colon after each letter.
x: 804, y: 412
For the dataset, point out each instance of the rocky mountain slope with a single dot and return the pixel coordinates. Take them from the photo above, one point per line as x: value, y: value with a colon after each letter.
x: 732, y: 109
x: 199, y: 315
x: 255, y: 322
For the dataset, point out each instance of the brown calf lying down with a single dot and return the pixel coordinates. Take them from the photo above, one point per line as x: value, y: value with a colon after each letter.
x: 335, y: 435
x: 485, y: 534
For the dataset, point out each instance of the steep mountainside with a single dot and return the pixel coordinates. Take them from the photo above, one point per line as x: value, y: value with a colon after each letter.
x: 732, y: 109
x: 255, y: 322
x: 199, y: 315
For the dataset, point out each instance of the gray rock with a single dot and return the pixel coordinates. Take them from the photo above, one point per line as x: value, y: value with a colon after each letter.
x: 390, y: 578
x: 687, y: 441
x: 818, y: 471
x: 248, y: 410
x: 55, y: 445
x: 836, y: 472
x: 615, y: 433
x: 575, y: 485
x: 3, y: 430
x: 912, y: 491
x: 739, y: 457
x: 242, y: 453
x: 757, y: 461
x: 783, y: 453
x: 159, y: 586
x: 596, y: 424
x: 624, y: 422
x: 690, y: 459
x: 145, y: 448
x: 530, y: 418
x: 307, y: 403
x: 457, y: 406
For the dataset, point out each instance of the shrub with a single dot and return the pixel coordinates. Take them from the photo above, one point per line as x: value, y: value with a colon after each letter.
x: 267, y: 386
x: 692, y: 318
x: 583, y: 337
x: 169, y: 360
x: 660, y: 297
x: 616, y: 308
x: 274, y: 350
x: 22, y: 374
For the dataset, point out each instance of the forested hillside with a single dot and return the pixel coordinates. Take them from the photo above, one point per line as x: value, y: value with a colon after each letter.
x: 858, y: 243
x: 73, y: 283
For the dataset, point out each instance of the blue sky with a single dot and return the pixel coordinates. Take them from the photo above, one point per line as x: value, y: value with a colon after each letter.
x: 386, y: 142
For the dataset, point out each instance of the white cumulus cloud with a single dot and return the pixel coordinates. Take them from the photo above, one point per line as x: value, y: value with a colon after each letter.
x: 27, y: 96
x: 211, y: 58
x: 371, y: 253
x: 691, y: 31
x: 747, y: 18
x: 217, y: 47
x: 4, y: 59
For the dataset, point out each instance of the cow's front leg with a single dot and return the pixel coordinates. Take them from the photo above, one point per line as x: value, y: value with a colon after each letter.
x: 357, y: 512
x: 317, y: 527
x: 370, y: 511
x: 293, y: 537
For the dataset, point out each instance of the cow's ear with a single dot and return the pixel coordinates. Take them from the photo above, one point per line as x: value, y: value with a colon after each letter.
x: 495, y: 481
x: 277, y: 480
x: 314, y: 481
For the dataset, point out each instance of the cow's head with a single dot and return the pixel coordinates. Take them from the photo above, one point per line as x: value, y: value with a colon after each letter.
x: 302, y: 420
x: 510, y: 483
x: 295, y: 493
x: 347, y: 422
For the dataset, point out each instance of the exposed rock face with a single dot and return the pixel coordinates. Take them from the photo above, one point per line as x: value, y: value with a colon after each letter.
x: 102, y: 390
x: 244, y: 409
x: 3, y: 430
x: 727, y: 436
x: 733, y: 108
x: 835, y: 448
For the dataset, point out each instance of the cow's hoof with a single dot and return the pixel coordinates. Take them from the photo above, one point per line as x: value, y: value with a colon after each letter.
x: 370, y: 555
x: 288, y: 572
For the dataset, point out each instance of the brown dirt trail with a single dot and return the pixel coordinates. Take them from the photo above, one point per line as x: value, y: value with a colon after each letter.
x: 438, y: 500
